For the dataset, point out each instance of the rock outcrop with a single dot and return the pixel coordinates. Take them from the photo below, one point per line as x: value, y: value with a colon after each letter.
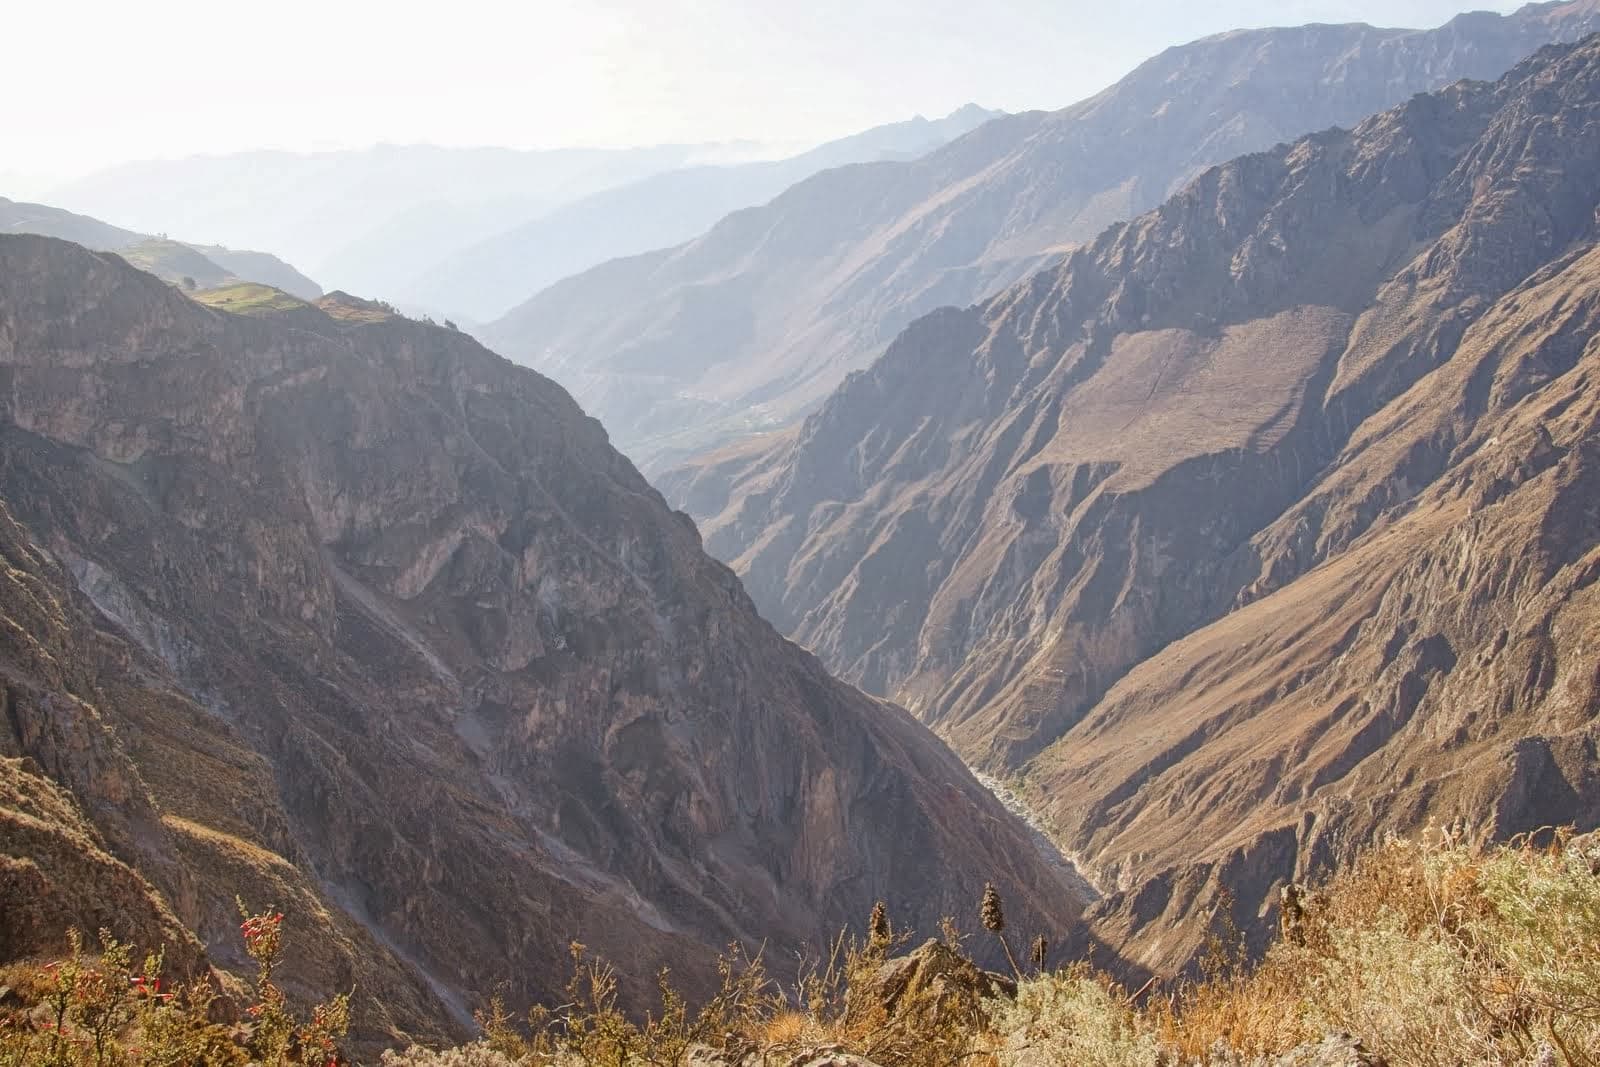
x: 932, y: 973
x: 755, y: 322
x: 1261, y: 524
x: 357, y: 617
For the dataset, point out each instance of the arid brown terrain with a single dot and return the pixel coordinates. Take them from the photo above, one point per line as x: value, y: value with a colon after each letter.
x: 1262, y: 524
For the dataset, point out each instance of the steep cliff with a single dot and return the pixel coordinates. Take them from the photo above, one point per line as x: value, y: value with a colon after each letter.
x: 377, y: 624
x: 1263, y: 522
x: 751, y: 325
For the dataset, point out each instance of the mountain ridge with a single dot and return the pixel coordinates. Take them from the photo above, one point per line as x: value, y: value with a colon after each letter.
x: 1178, y: 532
x: 751, y: 325
x: 172, y: 261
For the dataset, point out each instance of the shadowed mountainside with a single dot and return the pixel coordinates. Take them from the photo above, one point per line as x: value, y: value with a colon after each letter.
x: 370, y: 622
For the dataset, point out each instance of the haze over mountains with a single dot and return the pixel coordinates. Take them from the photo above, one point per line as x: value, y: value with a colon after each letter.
x: 471, y: 232
x: 173, y: 261
x: 1262, y: 523
x: 347, y: 213
x: 488, y: 279
x: 753, y: 323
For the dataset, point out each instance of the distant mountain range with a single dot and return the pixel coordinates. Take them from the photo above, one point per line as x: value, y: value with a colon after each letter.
x: 205, y: 266
x: 470, y: 232
x: 752, y: 324
x: 488, y: 279
x: 349, y: 217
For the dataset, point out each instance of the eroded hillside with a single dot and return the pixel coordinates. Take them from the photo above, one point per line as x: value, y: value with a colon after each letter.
x: 372, y: 623
x: 1262, y: 523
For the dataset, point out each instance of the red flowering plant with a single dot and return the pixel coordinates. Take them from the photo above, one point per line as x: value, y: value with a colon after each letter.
x: 273, y: 1035
x: 93, y: 996
x: 100, y: 1010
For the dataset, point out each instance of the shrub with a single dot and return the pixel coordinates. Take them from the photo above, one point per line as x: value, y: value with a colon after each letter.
x: 1434, y: 953
x: 477, y: 1054
x: 1074, y: 1017
x: 1538, y: 945
x: 100, y: 1010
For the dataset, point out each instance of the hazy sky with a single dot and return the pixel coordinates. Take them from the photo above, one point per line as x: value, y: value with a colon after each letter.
x: 90, y: 83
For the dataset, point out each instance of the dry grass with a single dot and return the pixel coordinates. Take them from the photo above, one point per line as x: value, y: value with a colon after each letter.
x: 787, y: 1028
x: 1434, y: 954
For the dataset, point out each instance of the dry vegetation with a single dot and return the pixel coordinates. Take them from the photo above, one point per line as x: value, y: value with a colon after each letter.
x: 110, y: 1007
x: 1434, y: 954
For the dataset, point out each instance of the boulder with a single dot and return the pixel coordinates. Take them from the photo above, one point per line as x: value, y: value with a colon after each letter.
x: 815, y: 1056
x: 934, y: 973
x: 1335, y: 1050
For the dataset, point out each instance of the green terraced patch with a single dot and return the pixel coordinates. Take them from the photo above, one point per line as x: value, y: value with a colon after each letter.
x: 249, y: 298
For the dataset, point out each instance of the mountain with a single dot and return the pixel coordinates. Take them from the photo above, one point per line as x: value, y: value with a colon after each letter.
x: 19, y: 217
x: 750, y: 326
x: 333, y: 212
x: 176, y: 263
x: 173, y: 261
x: 1260, y: 525
x: 487, y: 280
x: 262, y: 268
x: 321, y: 606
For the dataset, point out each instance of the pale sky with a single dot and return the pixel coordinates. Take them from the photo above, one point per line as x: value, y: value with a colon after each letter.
x: 93, y: 82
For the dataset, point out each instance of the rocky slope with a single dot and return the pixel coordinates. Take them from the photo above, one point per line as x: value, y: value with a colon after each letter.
x: 752, y: 324
x: 1260, y: 524
x: 487, y: 280
x: 172, y: 261
x: 344, y: 611
x: 127, y: 805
